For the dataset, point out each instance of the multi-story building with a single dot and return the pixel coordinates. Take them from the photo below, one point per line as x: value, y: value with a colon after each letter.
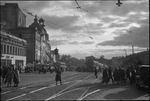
x: 13, y: 50
x: 38, y: 48
x: 38, y: 45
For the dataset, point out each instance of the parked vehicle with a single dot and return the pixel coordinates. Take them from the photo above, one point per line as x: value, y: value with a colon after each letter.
x: 142, y: 77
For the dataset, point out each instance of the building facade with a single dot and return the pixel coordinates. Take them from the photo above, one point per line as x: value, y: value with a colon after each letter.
x: 38, y: 46
x: 12, y: 16
x: 13, y: 50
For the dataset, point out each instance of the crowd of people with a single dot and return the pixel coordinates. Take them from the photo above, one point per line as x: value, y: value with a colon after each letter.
x: 119, y: 75
x: 10, y: 75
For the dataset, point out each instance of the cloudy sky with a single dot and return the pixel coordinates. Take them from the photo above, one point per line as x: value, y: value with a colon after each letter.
x: 100, y: 27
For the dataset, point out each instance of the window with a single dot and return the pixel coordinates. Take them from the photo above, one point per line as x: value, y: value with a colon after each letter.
x: 7, y: 49
x: 24, y: 51
x: 4, y: 49
x: 16, y: 51
x: 1, y: 48
x: 20, y: 51
x: 11, y: 50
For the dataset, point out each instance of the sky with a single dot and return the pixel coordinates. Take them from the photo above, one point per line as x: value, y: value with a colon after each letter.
x: 100, y: 27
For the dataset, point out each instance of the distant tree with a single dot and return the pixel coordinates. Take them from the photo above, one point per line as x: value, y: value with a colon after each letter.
x: 78, y: 69
x: 89, y: 63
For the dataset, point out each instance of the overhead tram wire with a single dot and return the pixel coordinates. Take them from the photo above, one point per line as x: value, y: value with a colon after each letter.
x: 47, y: 21
x: 79, y: 7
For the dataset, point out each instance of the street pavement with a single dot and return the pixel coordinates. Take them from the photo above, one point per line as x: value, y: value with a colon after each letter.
x: 76, y: 86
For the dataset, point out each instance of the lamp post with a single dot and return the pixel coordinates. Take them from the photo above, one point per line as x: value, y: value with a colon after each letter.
x: 132, y: 54
x: 125, y: 52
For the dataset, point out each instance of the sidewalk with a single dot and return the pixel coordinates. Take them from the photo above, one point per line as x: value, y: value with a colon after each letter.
x: 33, y: 78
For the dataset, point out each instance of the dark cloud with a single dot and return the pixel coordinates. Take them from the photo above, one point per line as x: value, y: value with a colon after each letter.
x: 64, y: 23
x: 118, y: 25
x: 57, y: 22
x: 87, y: 42
x: 58, y: 42
x: 144, y: 22
x: 73, y: 29
x: 127, y: 7
x: 34, y: 5
x: 138, y: 37
x: 110, y: 7
x: 74, y: 42
x: 108, y: 19
x: 95, y: 32
x: 137, y: 18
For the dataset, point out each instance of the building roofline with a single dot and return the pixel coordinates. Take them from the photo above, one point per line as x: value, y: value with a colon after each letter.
x: 11, y: 36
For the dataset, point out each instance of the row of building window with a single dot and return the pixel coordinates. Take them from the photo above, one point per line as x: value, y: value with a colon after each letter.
x: 13, y: 50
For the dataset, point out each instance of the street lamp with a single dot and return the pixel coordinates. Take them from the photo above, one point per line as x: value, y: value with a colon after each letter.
x: 132, y: 48
x: 132, y: 54
x: 119, y: 3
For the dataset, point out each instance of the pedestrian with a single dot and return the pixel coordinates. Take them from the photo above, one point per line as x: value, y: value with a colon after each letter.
x: 4, y: 73
x: 116, y: 76
x: 128, y: 74
x: 105, y: 77
x: 122, y: 75
x: 1, y: 71
x: 133, y: 75
x: 19, y: 68
x: 110, y: 74
x: 16, y: 78
x: 95, y: 72
x: 10, y: 75
x: 58, y: 75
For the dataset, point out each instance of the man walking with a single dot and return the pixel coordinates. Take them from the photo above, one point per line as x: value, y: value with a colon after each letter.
x: 95, y: 72
x: 110, y: 74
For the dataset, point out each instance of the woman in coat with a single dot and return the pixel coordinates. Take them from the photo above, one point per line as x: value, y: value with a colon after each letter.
x: 16, y: 78
x: 10, y: 75
x: 105, y: 77
x: 58, y: 76
x: 116, y: 76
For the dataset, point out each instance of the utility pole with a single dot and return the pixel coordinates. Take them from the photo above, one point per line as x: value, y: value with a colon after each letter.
x: 132, y: 49
x: 125, y: 52
x: 133, y: 52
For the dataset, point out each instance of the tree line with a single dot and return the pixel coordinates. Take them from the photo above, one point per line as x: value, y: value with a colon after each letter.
x: 86, y: 65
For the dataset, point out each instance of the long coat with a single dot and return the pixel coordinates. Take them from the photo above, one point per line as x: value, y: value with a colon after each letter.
x: 10, y: 76
x: 58, y: 75
x: 16, y: 78
x: 116, y: 75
